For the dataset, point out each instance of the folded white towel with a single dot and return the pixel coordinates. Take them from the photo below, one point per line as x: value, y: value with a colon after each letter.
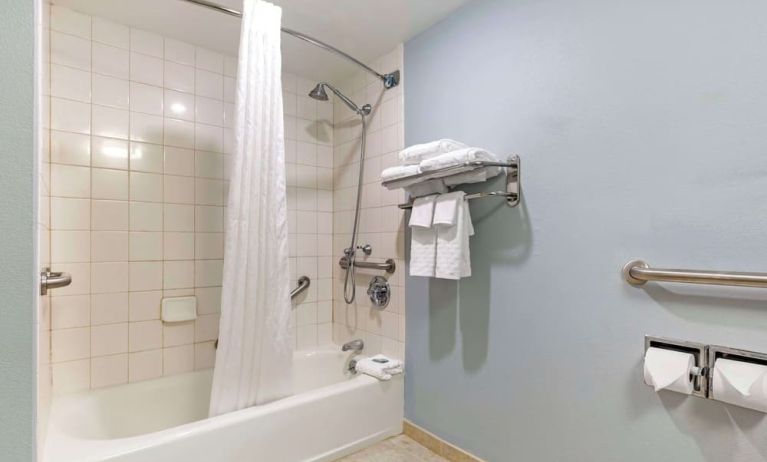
x: 474, y: 176
x: 422, y: 212
x: 453, y: 260
x: 418, y: 152
x: 457, y: 157
x: 446, y: 208
x: 399, y: 171
x: 426, y: 188
x: 379, y: 366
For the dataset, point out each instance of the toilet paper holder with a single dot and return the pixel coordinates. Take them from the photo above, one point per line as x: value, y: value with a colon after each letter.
x: 705, y: 359
x: 699, y: 351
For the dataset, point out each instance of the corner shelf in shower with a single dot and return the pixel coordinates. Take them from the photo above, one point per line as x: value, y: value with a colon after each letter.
x: 511, y: 194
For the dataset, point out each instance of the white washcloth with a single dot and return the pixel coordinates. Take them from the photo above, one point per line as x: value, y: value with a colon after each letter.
x: 423, y: 243
x: 474, y: 176
x: 422, y: 212
x: 379, y: 366
x: 426, y: 188
x: 413, y: 155
x: 446, y: 208
x: 453, y: 259
x: 457, y: 157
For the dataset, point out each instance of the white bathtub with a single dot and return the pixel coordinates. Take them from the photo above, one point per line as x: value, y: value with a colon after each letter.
x: 333, y: 413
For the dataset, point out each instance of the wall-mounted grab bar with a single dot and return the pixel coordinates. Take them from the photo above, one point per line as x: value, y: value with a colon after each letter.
x: 51, y: 280
x: 303, y: 283
x: 637, y: 272
x: 389, y: 266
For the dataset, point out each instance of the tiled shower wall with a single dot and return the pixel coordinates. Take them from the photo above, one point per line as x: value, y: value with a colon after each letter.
x: 139, y: 142
x: 381, y: 223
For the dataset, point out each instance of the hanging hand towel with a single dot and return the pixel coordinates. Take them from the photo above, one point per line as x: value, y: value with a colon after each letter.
x: 446, y: 208
x: 453, y: 256
x: 413, y: 155
x: 423, y: 237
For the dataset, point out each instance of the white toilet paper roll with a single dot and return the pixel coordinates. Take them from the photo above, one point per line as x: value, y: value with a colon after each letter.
x: 668, y: 370
x: 740, y: 383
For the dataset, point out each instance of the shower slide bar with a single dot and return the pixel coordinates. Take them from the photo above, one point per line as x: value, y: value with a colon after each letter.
x: 389, y: 80
x: 637, y: 273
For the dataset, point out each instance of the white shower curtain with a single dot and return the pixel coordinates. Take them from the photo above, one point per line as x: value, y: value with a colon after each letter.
x: 255, y: 349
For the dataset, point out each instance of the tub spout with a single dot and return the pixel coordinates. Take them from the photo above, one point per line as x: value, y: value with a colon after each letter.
x: 354, y: 345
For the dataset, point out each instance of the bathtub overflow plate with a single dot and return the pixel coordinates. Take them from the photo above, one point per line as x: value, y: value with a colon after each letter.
x: 379, y: 292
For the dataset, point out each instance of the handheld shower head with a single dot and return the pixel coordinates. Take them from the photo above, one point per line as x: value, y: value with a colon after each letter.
x: 318, y: 93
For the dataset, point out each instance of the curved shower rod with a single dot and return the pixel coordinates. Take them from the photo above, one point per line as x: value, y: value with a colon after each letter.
x: 389, y: 80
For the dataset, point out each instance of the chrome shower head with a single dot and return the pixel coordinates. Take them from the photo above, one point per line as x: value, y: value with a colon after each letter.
x: 318, y: 92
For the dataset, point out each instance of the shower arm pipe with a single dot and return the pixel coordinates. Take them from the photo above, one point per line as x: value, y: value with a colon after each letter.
x: 389, y: 80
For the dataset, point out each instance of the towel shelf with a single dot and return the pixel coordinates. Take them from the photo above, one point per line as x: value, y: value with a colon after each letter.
x: 511, y: 194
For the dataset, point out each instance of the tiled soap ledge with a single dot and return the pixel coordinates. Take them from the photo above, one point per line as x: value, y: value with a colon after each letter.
x: 437, y: 445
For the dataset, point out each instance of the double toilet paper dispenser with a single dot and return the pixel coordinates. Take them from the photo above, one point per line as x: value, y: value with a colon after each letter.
x: 724, y: 374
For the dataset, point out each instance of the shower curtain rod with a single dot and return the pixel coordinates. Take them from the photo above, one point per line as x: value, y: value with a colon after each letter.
x: 389, y: 80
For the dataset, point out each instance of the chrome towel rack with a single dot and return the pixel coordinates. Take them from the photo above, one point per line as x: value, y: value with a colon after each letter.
x: 511, y: 194
x: 638, y: 272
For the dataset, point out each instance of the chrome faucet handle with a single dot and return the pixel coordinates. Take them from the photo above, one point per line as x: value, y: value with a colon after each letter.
x: 367, y: 249
x: 356, y: 345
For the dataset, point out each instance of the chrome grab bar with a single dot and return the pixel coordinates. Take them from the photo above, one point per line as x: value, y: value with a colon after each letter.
x: 389, y: 266
x: 51, y: 280
x: 637, y: 272
x: 303, y: 283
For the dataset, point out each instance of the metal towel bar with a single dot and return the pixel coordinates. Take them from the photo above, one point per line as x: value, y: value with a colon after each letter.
x: 637, y: 272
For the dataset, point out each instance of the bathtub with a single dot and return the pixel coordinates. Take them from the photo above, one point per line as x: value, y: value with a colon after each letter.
x: 333, y: 413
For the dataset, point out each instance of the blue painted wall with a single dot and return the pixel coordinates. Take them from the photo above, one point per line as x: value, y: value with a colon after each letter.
x: 642, y: 128
x: 17, y: 232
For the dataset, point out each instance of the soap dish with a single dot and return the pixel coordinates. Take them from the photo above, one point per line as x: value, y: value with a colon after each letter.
x: 179, y: 309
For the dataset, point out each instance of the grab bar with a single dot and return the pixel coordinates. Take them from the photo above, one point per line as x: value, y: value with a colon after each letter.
x: 52, y: 280
x: 303, y: 283
x: 389, y: 266
x: 637, y: 272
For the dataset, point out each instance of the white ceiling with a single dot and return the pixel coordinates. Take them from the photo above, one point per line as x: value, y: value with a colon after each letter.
x: 365, y: 29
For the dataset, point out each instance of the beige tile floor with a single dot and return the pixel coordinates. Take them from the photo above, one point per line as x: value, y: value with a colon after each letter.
x: 397, y: 449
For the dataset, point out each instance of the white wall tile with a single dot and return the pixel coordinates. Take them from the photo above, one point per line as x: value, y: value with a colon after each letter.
x: 70, y: 181
x: 110, y: 122
x: 109, y: 246
x: 179, y: 161
x: 110, y: 33
x: 148, y: 43
x: 178, y: 246
x: 109, y: 277
x: 179, y: 217
x: 146, y: 187
x: 144, y: 365
x: 179, y: 77
x: 179, y: 52
x: 112, y: 61
x: 146, y: 128
x: 175, y: 334
x: 70, y: 22
x: 209, y: 246
x: 70, y: 213
x: 70, y: 83
x: 145, y: 335
x: 146, y: 98
x: 70, y: 116
x: 209, y: 218
x: 146, y: 69
x: 109, y: 339
x: 108, y: 215
x: 208, y: 138
x: 109, y: 153
x: 209, y: 165
x: 209, y: 111
x: 70, y: 344
x: 208, y: 273
x: 146, y: 246
x: 70, y: 311
x: 145, y: 276
x: 70, y: 148
x: 71, y: 376
x: 209, y: 192
x: 146, y: 157
x: 179, y: 133
x: 209, y: 84
x: 144, y: 306
x: 209, y: 60
x: 109, y: 184
x: 179, y: 105
x: 177, y: 360
x: 70, y: 50
x: 146, y: 216
x: 109, y: 370
x: 109, y: 308
x: 179, y: 189
x: 110, y: 91
x: 178, y: 274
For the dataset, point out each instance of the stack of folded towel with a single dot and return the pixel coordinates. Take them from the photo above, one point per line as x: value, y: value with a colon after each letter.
x: 379, y: 366
x: 429, y: 157
x: 440, y: 229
